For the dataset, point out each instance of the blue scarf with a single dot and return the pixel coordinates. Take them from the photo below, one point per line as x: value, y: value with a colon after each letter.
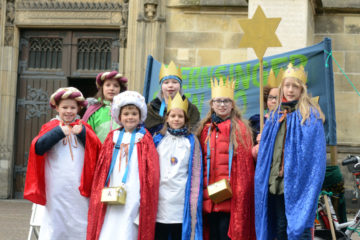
x: 178, y: 132
x: 215, y: 120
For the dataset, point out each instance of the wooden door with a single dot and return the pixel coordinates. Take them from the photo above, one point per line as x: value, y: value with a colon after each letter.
x: 49, y: 60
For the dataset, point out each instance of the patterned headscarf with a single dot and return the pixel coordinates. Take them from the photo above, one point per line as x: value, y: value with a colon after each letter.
x: 101, y: 77
x: 67, y: 93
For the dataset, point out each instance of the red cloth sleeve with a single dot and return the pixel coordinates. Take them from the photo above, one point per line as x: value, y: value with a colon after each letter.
x: 34, y: 190
x: 35, y: 175
x: 149, y: 173
x: 92, y: 150
x: 242, y: 217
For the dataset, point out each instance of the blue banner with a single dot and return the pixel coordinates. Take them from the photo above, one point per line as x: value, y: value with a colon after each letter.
x: 196, y: 81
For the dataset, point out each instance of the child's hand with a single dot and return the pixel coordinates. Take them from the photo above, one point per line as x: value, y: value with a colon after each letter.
x: 66, y: 130
x: 258, y: 138
x: 77, y: 129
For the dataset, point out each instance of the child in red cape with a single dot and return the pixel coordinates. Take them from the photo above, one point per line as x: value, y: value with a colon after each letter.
x: 128, y: 161
x: 60, y: 170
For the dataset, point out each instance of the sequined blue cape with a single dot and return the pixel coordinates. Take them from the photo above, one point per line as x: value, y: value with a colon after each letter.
x: 304, y: 172
x: 195, y: 183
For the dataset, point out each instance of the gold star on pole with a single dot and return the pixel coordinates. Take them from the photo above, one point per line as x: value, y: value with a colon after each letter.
x: 259, y: 32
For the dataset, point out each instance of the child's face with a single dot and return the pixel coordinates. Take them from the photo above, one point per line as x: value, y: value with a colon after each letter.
x: 129, y: 117
x: 169, y: 88
x: 176, y: 118
x: 272, y: 98
x: 292, y: 89
x: 67, y: 110
x: 222, y: 107
x: 111, y: 88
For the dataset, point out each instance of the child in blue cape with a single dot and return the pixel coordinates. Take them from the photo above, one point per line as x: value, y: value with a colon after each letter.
x: 291, y: 163
x: 180, y: 194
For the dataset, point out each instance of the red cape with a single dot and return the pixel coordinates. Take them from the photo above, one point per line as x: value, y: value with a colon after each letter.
x: 35, y: 175
x: 149, y: 175
x: 242, y: 209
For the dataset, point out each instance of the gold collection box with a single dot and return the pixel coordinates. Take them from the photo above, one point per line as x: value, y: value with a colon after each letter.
x: 114, y: 195
x: 219, y: 191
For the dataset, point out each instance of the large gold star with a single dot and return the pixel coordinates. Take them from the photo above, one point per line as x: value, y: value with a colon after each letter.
x: 259, y: 32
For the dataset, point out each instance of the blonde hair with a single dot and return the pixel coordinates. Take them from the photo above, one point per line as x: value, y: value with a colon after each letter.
x: 305, y: 104
x: 235, y: 116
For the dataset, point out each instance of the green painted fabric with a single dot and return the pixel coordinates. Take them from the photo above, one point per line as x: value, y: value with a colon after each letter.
x: 101, y: 121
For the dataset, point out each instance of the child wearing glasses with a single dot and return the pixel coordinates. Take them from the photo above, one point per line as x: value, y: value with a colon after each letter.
x: 291, y: 163
x: 226, y: 142
x: 271, y: 97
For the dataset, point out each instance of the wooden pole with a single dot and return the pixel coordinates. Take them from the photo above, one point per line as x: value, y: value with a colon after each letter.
x: 261, y: 94
x: 329, y: 217
x: 333, y: 155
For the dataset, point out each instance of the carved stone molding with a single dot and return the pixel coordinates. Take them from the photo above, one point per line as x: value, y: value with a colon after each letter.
x: 9, y: 36
x: 150, y: 9
x: 124, y: 24
x: 5, y: 152
x: 10, y: 12
x: 150, y: 12
x: 68, y: 6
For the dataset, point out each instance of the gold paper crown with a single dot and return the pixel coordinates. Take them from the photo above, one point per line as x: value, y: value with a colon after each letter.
x: 295, y: 72
x: 171, y: 69
x: 219, y: 88
x: 274, y: 82
x: 177, y: 102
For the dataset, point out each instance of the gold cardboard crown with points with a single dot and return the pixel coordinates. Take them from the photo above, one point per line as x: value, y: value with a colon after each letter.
x: 171, y: 69
x: 219, y: 88
x: 177, y: 102
x: 274, y: 82
x: 295, y: 72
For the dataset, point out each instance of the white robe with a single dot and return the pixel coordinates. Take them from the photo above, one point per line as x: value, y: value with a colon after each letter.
x: 173, y: 177
x: 119, y: 221
x: 66, y: 210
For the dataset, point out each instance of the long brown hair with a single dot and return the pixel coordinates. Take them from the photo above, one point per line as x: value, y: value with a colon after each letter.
x: 235, y: 116
x: 100, y: 92
x: 165, y: 127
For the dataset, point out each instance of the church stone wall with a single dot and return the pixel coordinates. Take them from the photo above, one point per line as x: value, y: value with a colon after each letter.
x: 344, y: 30
x: 200, y: 35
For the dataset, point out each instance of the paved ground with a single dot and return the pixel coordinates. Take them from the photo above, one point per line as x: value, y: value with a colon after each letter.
x: 15, y: 217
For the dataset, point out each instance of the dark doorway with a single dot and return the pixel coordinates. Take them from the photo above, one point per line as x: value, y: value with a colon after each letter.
x: 49, y: 60
x: 87, y: 86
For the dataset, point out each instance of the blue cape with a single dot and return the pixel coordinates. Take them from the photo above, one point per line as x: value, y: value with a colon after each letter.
x: 304, y: 172
x: 193, y: 191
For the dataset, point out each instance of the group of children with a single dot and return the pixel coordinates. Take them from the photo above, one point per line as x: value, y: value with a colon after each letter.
x: 128, y: 170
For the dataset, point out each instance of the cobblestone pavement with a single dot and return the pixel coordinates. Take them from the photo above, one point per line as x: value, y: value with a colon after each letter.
x: 15, y: 217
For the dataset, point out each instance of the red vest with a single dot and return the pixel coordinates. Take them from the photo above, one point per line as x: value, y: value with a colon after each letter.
x: 241, y: 205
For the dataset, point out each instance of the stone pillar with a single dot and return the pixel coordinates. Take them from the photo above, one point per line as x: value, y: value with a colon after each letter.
x: 296, y: 29
x: 8, y: 77
x: 146, y: 35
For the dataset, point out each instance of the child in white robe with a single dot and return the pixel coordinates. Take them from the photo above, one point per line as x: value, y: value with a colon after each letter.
x: 180, y: 194
x: 128, y: 160
x: 61, y: 164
